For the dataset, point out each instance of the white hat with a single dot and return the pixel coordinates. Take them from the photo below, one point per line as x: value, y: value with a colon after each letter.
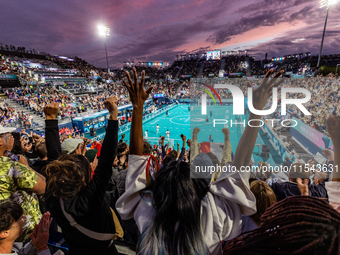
x: 70, y: 144
x: 5, y: 130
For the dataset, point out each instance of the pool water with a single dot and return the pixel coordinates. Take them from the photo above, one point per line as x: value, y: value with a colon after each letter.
x: 182, y: 121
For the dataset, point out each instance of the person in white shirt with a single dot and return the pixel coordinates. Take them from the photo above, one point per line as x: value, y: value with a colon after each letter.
x: 215, y: 211
x: 30, y: 119
x: 157, y: 129
x: 168, y: 134
x: 146, y: 134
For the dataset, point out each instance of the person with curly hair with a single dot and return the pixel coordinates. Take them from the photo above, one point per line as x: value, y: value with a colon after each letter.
x: 78, y: 203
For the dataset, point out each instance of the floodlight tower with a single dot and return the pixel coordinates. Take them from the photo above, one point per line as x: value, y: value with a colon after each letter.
x: 104, y: 32
x: 325, y: 3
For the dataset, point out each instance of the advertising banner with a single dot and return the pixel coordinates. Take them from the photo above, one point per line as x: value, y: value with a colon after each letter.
x: 309, y: 137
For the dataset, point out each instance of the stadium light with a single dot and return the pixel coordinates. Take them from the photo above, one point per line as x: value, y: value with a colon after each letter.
x: 246, y: 51
x: 105, y: 31
x: 336, y: 70
x: 325, y: 3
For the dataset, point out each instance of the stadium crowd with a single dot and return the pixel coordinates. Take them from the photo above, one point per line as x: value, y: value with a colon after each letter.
x: 140, y: 193
x: 211, y: 68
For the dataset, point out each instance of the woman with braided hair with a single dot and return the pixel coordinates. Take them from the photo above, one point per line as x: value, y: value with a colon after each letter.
x: 295, y: 225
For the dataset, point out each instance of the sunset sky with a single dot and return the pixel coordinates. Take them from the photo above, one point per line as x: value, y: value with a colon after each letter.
x: 159, y: 30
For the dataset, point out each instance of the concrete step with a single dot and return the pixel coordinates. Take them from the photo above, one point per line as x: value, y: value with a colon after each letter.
x: 37, y: 119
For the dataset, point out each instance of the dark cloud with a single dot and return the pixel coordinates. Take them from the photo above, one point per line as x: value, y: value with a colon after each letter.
x: 244, y: 24
x: 200, y: 50
x: 272, y: 5
x: 311, y: 43
x: 150, y: 30
x: 268, y: 17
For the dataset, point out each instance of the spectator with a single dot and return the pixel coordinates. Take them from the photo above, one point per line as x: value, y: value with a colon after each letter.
x: 12, y: 220
x: 72, y: 146
x: 41, y: 151
x: 314, y: 225
x: 169, y: 222
x: 265, y: 197
x: 21, y: 184
x: 73, y: 196
x: 290, y: 188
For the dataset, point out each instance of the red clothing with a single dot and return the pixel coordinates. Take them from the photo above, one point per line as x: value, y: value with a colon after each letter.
x: 97, y: 146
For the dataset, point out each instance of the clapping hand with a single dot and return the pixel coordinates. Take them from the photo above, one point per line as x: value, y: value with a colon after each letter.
x: 40, y: 234
x: 303, y: 186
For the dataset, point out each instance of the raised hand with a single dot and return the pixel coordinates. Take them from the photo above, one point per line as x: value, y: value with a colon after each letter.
x: 226, y: 132
x: 264, y: 91
x: 111, y: 106
x: 36, y: 137
x: 329, y: 154
x: 51, y: 111
x: 136, y: 89
x: 333, y: 127
x: 94, y: 164
x: 260, y: 97
x: 303, y: 186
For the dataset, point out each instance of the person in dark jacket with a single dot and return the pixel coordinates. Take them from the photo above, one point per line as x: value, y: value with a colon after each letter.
x: 71, y: 191
x: 290, y: 188
x: 43, y: 161
x: 287, y: 163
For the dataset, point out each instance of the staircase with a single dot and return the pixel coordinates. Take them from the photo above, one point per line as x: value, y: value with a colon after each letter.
x: 200, y: 70
x: 179, y: 88
x: 222, y: 65
x: 179, y: 70
x: 317, y: 72
x: 65, y: 91
x: 36, y: 119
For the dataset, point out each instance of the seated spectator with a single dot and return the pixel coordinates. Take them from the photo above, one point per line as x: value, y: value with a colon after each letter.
x: 287, y: 163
